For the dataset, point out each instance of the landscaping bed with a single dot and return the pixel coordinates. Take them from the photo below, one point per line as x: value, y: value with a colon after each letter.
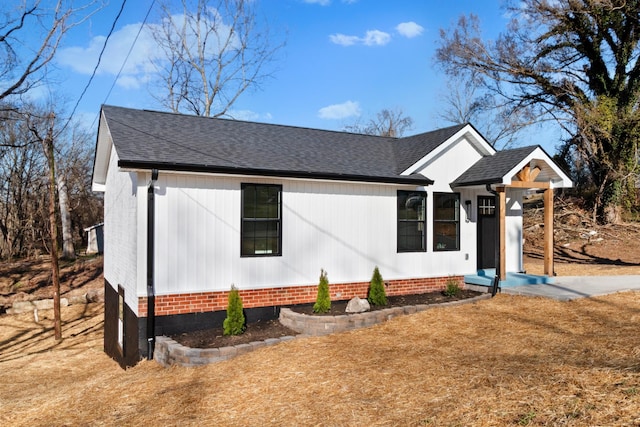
x: 262, y: 330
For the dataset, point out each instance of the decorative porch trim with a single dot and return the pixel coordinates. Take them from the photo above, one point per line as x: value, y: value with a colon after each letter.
x: 526, y: 179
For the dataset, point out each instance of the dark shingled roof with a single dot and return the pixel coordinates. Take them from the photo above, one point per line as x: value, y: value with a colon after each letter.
x: 149, y: 139
x: 412, y: 148
x: 491, y: 169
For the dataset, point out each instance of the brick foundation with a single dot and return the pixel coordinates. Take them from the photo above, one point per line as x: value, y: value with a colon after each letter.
x: 215, y: 301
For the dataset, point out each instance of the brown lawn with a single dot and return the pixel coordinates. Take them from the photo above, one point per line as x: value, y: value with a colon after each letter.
x: 506, y: 361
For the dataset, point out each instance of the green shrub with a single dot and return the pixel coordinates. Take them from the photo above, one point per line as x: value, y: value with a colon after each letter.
x: 452, y: 289
x: 377, y: 294
x: 234, y: 323
x: 323, y: 300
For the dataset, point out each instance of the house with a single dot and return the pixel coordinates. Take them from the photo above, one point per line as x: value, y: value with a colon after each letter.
x: 194, y: 205
x: 95, y: 239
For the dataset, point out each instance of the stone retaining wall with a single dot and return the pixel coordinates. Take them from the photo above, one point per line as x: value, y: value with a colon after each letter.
x: 169, y: 352
x: 323, y: 325
x: 18, y: 307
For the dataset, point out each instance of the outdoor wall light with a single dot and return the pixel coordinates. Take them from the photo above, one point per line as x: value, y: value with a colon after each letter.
x: 467, y: 210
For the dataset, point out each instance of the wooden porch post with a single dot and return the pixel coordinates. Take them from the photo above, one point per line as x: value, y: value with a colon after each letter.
x: 548, y: 232
x: 502, y: 202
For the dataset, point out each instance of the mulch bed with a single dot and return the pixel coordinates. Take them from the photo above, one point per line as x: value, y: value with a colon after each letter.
x: 263, y: 329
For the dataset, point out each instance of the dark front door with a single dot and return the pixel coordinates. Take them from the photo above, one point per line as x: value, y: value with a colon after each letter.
x: 487, y: 232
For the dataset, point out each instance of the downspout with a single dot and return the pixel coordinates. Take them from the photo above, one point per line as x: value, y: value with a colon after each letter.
x: 495, y: 287
x: 151, y: 315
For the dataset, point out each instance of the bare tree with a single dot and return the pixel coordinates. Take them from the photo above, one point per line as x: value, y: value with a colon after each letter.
x: 576, y: 62
x: 388, y: 122
x: 465, y: 101
x: 43, y: 131
x: 74, y: 168
x: 211, y: 53
x: 23, y: 64
x: 23, y: 182
x: 21, y: 187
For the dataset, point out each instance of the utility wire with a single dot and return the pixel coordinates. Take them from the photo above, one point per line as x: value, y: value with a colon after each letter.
x: 95, y: 69
x: 144, y: 22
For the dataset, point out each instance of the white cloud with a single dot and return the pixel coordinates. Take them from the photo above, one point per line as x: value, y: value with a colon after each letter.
x: 371, y: 38
x: 139, y: 65
x: 340, y: 111
x: 409, y: 29
x: 250, y: 116
x: 376, y: 38
x: 343, y: 39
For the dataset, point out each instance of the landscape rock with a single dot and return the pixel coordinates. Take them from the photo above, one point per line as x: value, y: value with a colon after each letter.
x: 357, y: 305
x: 77, y: 299
x: 95, y: 295
x: 47, y: 304
x: 21, y: 307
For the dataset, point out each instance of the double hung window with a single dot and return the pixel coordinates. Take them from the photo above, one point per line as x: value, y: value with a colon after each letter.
x: 412, y: 221
x: 261, y: 233
x: 446, y: 222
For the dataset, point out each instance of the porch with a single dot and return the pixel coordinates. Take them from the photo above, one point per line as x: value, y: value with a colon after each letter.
x: 484, y: 278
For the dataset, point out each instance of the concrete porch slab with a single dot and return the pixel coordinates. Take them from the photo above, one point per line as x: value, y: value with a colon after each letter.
x: 485, y: 278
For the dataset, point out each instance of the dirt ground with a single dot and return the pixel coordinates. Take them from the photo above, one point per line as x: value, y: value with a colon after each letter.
x: 510, y: 360
x: 581, y: 247
x: 506, y: 361
x: 30, y: 279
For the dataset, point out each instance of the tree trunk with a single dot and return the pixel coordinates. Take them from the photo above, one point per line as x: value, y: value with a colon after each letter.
x: 68, y: 251
x: 608, y: 204
x: 55, y: 269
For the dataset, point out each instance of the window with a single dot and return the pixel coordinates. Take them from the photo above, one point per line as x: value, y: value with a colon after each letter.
x: 261, y: 233
x: 411, y: 221
x: 446, y: 222
x: 486, y: 205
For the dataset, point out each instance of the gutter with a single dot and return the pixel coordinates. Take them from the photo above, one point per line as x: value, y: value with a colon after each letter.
x: 495, y: 287
x: 274, y: 173
x: 151, y: 315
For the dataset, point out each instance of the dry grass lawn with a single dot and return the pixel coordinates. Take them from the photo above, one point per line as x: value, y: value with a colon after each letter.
x: 506, y: 361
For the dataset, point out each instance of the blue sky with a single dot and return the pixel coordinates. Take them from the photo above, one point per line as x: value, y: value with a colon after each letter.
x: 344, y: 60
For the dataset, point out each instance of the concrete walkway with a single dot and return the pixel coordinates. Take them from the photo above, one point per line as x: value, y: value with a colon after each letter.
x: 571, y: 287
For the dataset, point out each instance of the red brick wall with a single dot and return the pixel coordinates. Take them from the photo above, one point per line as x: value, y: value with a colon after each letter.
x: 215, y: 301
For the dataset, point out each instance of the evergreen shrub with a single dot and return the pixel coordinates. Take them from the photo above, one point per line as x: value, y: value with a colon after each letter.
x: 234, y: 324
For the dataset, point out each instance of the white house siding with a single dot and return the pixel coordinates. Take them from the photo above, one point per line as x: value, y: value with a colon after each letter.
x: 444, y: 168
x: 120, y: 231
x: 345, y: 228
x: 513, y: 231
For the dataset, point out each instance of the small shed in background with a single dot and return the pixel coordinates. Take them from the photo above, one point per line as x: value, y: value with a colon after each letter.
x: 95, y: 238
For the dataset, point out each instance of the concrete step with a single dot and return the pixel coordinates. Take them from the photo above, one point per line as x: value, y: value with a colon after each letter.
x: 485, y: 278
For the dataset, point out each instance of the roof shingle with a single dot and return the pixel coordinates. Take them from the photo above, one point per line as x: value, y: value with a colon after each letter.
x: 150, y: 139
x: 492, y: 169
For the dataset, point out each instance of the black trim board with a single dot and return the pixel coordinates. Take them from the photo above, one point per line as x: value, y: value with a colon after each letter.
x: 400, y: 179
x: 131, y: 355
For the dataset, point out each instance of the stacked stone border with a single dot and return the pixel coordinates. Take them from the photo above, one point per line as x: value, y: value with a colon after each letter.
x: 169, y: 352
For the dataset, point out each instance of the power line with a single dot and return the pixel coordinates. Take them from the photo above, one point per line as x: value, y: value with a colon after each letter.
x: 95, y: 69
x: 144, y: 22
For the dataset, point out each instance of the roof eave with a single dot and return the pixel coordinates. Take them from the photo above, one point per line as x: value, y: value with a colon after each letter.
x: 475, y: 183
x: 408, y: 180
